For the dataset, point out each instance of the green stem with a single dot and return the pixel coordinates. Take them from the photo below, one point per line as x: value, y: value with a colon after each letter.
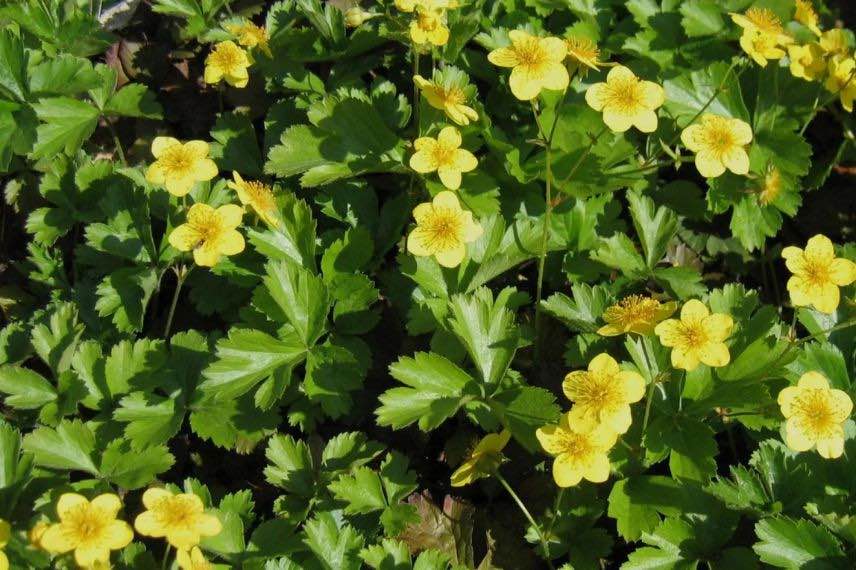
x: 119, y: 150
x: 555, y: 514
x: 648, y: 401
x: 529, y: 517
x: 165, y: 556
x: 416, y: 101
x: 181, y: 273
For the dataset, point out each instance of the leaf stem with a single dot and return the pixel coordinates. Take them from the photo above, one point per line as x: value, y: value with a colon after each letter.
x: 528, y: 516
x: 165, y: 556
x: 119, y: 150
x: 181, y: 274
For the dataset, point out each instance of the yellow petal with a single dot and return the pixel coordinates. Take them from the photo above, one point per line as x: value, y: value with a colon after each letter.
x: 117, y: 535
x: 645, y: 120
x: 108, y: 502
x: 634, y: 385
x: 800, y: 291
x: 549, y: 440
x: 422, y: 162
x: 718, y: 326
x: 87, y: 556
x: 449, y: 137
x: 813, y: 381
x: 231, y: 243
x: 842, y: 272
x: 618, y: 420
x: 690, y: 137
x: 231, y: 215
x: 565, y: 471
x: 598, y: 470
x: 68, y: 502
x: 524, y: 84
x: 184, y: 237
x: 843, y: 404
x: 206, y: 255
x: 556, y: 50
x: 204, y: 169
x: 820, y: 248
x: 714, y: 354
x: 213, y: 74
x: 786, y: 400
x: 693, y: 311
x: 741, y: 131
x: 610, y: 330
x: 669, y: 332
x: 450, y: 177
x: 652, y: 95
x: 737, y: 161
x: 555, y: 75
x: 4, y: 561
x: 148, y: 525
x: 596, y: 96
x: 708, y: 164
x: 160, y: 144
x: 180, y: 186
x: 618, y: 120
x: 446, y: 199
x: 472, y: 230
x: 208, y: 525
x: 685, y: 359
x: 830, y: 448
x: 424, y: 143
x: 451, y: 257
x: 464, y: 475
x: 56, y: 540
x: 418, y: 241
x: 604, y: 364
x: 155, y: 173
x: 796, y: 438
x: 182, y: 538
x: 421, y: 211
x: 827, y: 298
x: 199, y: 149
x: 619, y: 74
x: 464, y: 160
x: 794, y: 259
x: 503, y: 57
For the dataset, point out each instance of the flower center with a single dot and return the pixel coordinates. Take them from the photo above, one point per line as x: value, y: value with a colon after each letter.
x: 453, y: 96
x: 529, y: 52
x: 693, y: 335
x: 625, y: 94
x: 85, y: 524
x: 771, y: 188
x: 638, y: 308
x: 427, y: 20
x: 765, y: 20
x: 816, y: 272
x: 442, y: 155
x: 816, y: 411
x: 260, y: 195
x: 226, y: 57
x: 718, y: 137
x: 176, y: 160
x: 175, y: 511
x: 582, y: 49
x: 600, y: 391
x: 574, y: 444
x: 443, y: 229
x: 207, y: 227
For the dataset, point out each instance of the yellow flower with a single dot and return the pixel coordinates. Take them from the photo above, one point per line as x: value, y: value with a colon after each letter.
x: 815, y: 414
x: 636, y: 314
x: 356, y: 17
x: 179, y: 166
x: 180, y: 518
x: 582, y: 55
x: 5, y: 535
x: 192, y: 560
x: 807, y: 16
x: 209, y: 233
x: 762, y: 34
x: 444, y: 155
x: 581, y: 451
x: 482, y: 460
x: 807, y: 61
x: 817, y: 274
x: 258, y: 196
x: 537, y: 63
x: 250, y: 36
x: 761, y: 47
x: 35, y: 534
x: 90, y: 529
x: 697, y: 337
x: 448, y: 98
x: 411, y: 5
x: 227, y: 61
x: 771, y: 187
x: 443, y: 229
x: 834, y: 42
x: 603, y: 393
x: 626, y: 101
x: 841, y: 80
x: 428, y: 27
x: 719, y: 143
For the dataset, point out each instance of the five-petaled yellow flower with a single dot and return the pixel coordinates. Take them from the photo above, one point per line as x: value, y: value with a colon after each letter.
x: 719, y: 143
x: 250, y: 36
x: 192, y: 560
x: 842, y: 80
x: 583, y: 55
x: 5, y: 535
x: 807, y: 61
x: 180, y: 518
x: 698, y: 337
x: 763, y: 35
x: 179, y: 166
x: 807, y: 16
x: 428, y: 27
x: 90, y: 529
x: 603, y: 394
x: 581, y: 450
x: 635, y: 314
x: 447, y: 98
x: 444, y: 155
x: 537, y: 63
x: 834, y: 42
x: 209, y: 233
x: 817, y: 274
x: 443, y: 229
x: 815, y: 414
x: 227, y: 62
x: 483, y: 460
x: 626, y: 101
x: 258, y: 196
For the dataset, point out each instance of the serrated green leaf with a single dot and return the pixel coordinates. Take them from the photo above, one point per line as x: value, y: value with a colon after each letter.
x: 134, y: 469
x: 26, y: 389
x: 789, y: 543
x: 65, y: 125
x: 134, y: 100
x: 336, y: 544
x: 70, y: 446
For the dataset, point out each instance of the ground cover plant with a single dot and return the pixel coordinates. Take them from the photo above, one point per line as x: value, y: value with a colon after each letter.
x: 427, y: 284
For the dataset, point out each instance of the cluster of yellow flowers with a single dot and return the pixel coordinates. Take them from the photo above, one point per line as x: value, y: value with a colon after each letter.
x: 209, y: 233
x: 828, y: 58
x: 90, y: 529
x: 228, y: 62
x: 428, y: 27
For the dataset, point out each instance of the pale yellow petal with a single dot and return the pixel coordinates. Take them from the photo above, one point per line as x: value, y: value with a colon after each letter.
x: 827, y: 298
x: 147, y: 524
x: 708, y: 164
x: 206, y: 255
x: 693, y: 311
x: 843, y: 404
x: 56, y: 540
x: 566, y: 472
x: 820, y: 247
x: 204, y: 169
x: 418, y: 241
x: 618, y: 120
x: 796, y: 438
x: 184, y: 237
x: 634, y: 385
x: 464, y: 160
x: 549, y: 439
x: 447, y: 200
x: 524, y: 83
x: 87, y: 556
x: 842, y: 272
x: 669, y: 332
x: 160, y: 144
x: 117, y: 535
x: 422, y: 162
x: 718, y: 326
x: 451, y: 257
x: 714, y: 354
x: 813, y: 380
x: 450, y: 177
x: 555, y: 75
x: 231, y: 215
x: 503, y: 57
x: 598, y: 470
x: 68, y: 502
x: 652, y: 95
x: 830, y: 448
x: 645, y: 120
x: 604, y: 364
x: 449, y: 137
x: 180, y: 186
x: 619, y: 73
x: 556, y: 50
x: 231, y: 243
x: 786, y: 400
x: 596, y: 96
x: 108, y: 502
x: 685, y: 359
x: 737, y: 161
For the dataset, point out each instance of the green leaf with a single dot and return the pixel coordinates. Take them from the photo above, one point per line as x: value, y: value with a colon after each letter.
x: 124, y: 295
x: 69, y: 446
x: 434, y: 393
x: 361, y: 492
x: 692, y: 445
x: 63, y: 75
x: 619, y: 252
x: 55, y: 338
x: 295, y: 241
x: 302, y: 298
x: 486, y: 329
x: 291, y: 465
x: 583, y: 312
x: 825, y: 358
x: 26, y: 389
x: 336, y: 544
x: 333, y: 371
x: 789, y: 543
x: 348, y: 450
x: 527, y: 408
x: 237, y: 147
x: 701, y: 18
x: 246, y: 357
x: 13, y: 66
x: 680, y: 282
x: 134, y: 100
x: 151, y: 419
x: 66, y: 124
x: 687, y: 94
x: 134, y: 469
x: 655, y: 226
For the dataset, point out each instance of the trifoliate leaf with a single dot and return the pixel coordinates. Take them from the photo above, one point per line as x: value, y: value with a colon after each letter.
x: 63, y: 75
x: 701, y: 18
x: 13, y: 66
x: 124, y: 295
x: 691, y: 444
x: 333, y: 371
x: 687, y: 94
x: 55, y: 338
x: 151, y: 419
x: 581, y: 313
x: 361, y: 492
